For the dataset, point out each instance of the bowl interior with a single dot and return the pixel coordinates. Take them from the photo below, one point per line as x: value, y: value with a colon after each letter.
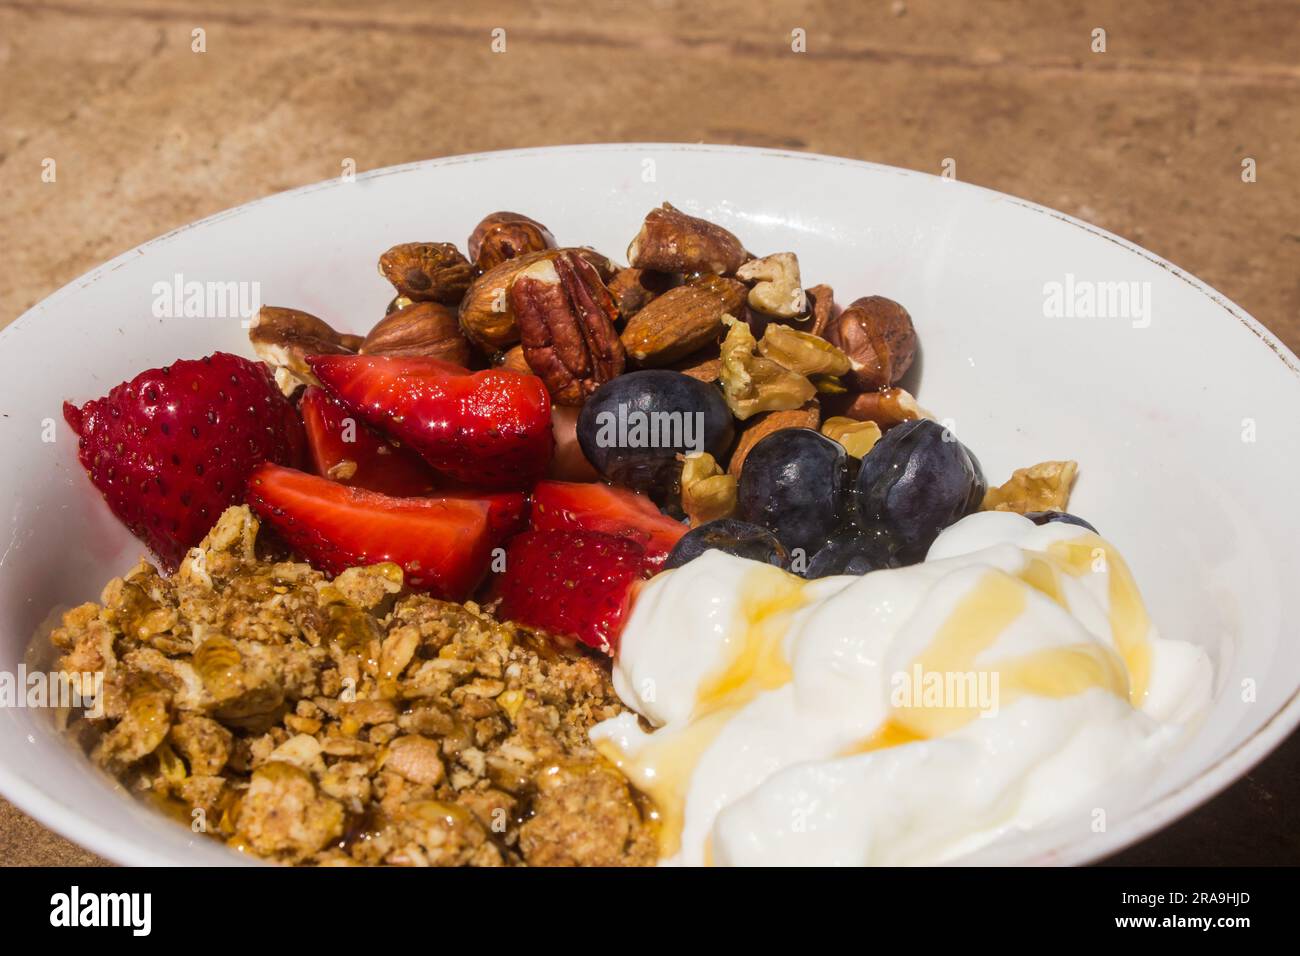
x: 1177, y: 406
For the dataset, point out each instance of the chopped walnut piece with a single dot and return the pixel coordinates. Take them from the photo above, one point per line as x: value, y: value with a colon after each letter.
x: 707, y: 491
x: 777, y: 290
x: 857, y: 437
x: 1042, y: 487
x: 753, y: 383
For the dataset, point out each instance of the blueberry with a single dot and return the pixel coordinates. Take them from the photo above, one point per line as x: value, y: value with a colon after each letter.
x: 854, y: 552
x: 634, y: 426
x: 915, y: 482
x: 1064, y: 517
x: 793, y: 484
x: 740, y: 538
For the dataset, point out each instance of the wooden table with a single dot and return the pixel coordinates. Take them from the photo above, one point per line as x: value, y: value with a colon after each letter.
x: 1146, y: 139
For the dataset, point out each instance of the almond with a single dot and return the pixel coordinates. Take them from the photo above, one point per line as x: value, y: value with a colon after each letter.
x: 682, y: 320
x: 806, y: 416
x: 424, y: 329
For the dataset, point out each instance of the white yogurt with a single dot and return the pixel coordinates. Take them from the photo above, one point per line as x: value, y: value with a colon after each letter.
x: 905, y: 716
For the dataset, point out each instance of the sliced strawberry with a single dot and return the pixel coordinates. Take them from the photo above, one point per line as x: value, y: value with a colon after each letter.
x: 173, y: 448
x: 597, y: 507
x: 489, y: 429
x: 352, y: 453
x: 443, y: 544
x: 507, y: 510
x: 577, y: 584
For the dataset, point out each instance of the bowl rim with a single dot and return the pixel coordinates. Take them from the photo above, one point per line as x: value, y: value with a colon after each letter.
x: 51, y: 812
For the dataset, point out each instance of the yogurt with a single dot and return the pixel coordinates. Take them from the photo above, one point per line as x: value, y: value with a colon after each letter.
x: 905, y: 716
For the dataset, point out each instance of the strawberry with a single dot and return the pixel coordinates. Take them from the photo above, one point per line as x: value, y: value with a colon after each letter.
x: 597, y: 507
x: 173, y: 448
x: 351, y: 453
x: 577, y: 584
x: 443, y: 544
x: 489, y: 429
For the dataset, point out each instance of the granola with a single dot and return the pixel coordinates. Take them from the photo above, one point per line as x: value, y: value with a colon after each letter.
x: 310, y: 720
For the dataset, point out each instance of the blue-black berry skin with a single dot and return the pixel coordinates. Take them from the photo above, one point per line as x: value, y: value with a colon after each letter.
x: 852, y: 552
x: 731, y: 536
x: 676, y: 414
x: 916, y: 481
x: 1064, y: 517
x: 793, y: 484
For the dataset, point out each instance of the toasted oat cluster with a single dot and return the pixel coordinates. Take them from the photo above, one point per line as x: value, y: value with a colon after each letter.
x: 314, y: 721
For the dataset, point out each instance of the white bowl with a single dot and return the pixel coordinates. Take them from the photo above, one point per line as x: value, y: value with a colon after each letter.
x: 1156, y: 411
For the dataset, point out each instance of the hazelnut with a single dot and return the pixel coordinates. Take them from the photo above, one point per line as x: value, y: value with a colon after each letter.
x: 283, y: 338
x: 671, y: 241
x: 512, y: 360
x: 633, y: 289
x: 776, y: 290
x: 424, y: 329
x: 427, y: 271
x: 506, y: 235
x: 877, y: 335
x: 886, y: 408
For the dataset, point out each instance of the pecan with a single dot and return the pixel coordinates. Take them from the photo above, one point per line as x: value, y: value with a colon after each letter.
x: 877, y: 335
x: 427, y: 271
x: 566, y: 322
x: 283, y: 338
x: 682, y: 320
x: 671, y: 241
x: 421, y: 329
x: 486, y: 315
x: 633, y: 289
x: 506, y: 235
x: 806, y: 416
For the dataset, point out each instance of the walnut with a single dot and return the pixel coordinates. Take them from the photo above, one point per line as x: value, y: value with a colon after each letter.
x: 708, y: 493
x: 671, y: 241
x: 753, y: 383
x: 1042, y: 487
x: 857, y: 437
x: 427, y: 271
x: 566, y: 320
x: 776, y: 289
x: 802, y: 352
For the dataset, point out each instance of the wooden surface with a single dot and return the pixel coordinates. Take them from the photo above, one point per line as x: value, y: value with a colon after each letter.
x: 1146, y: 139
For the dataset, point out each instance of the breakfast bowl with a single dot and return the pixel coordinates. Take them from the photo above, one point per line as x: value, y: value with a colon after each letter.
x: 1042, y: 337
